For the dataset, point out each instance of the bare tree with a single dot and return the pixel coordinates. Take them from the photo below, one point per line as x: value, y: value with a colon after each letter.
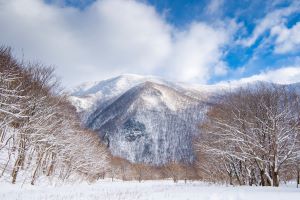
x: 40, y: 133
x: 254, y: 130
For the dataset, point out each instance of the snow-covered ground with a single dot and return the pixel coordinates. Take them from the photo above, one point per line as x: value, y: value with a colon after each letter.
x: 150, y: 190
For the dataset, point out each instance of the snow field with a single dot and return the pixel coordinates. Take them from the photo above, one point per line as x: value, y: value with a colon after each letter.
x: 148, y: 190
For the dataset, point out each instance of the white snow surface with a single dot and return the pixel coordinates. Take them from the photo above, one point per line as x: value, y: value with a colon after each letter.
x: 85, y: 96
x: 147, y: 190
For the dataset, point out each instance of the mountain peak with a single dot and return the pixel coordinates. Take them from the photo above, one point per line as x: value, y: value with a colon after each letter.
x: 145, y: 118
x: 121, y: 82
x: 147, y: 122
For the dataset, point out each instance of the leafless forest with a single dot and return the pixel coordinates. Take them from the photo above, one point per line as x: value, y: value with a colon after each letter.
x: 250, y: 136
x: 40, y: 134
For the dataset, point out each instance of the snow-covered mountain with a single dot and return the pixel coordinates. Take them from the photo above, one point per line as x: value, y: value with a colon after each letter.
x: 87, y: 97
x: 143, y: 119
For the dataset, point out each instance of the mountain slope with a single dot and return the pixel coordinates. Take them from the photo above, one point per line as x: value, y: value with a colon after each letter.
x: 146, y: 119
x: 88, y: 96
x: 143, y: 119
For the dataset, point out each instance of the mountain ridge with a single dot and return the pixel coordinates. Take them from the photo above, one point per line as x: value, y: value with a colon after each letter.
x: 145, y: 119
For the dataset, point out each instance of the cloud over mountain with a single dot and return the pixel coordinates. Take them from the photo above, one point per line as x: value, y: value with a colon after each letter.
x: 111, y: 37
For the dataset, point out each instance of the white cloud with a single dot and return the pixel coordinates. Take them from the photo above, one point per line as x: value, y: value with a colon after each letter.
x: 196, y: 53
x: 221, y: 69
x: 287, y: 39
x: 111, y: 37
x: 284, y: 75
x: 214, y: 6
x: 272, y: 19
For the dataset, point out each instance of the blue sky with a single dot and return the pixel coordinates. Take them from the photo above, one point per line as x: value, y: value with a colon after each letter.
x: 248, y: 13
x: 198, y: 41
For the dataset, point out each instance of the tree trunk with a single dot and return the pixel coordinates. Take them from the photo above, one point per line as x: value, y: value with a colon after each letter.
x: 230, y: 179
x: 15, y: 171
x: 20, y: 159
x: 236, y: 174
x: 36, y: 169
x: 298, y: 177
x: 51, y: 167
x: 262, y: 178
x: 275, y: 179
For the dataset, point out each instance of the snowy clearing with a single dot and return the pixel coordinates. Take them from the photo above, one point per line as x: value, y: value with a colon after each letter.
x: 150, y: 190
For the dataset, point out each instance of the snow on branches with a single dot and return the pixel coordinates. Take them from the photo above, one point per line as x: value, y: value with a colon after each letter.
x: 40, y: 135
x: 252, y: 134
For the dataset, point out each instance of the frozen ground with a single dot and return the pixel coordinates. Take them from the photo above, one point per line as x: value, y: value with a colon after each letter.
x: 150, y: 190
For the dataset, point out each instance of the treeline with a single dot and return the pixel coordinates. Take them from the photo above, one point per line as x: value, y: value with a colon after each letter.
x: 122, y: 169
x: 40, y: 134
x: 252, y: 137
